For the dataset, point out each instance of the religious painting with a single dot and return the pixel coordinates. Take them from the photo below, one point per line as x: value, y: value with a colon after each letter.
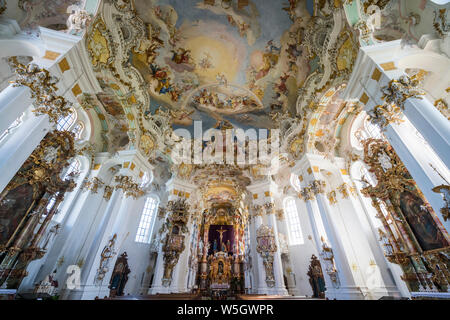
x: 111, y: 104
x: 420, y: 219
x: 12, y: 210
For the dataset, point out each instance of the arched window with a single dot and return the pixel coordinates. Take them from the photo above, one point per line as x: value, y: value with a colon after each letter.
x: 74, y: 167
x: 78, y: 129
x: 66, y: 122
x: 293, y: 222
x: 143, y: 232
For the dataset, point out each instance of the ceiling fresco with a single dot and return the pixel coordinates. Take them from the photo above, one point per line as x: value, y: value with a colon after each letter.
x: 236, y: 64
x: 216, y: 62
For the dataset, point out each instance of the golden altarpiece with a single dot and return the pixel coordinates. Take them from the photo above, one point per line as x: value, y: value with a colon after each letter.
x: 26, y: 205
x: 412, y: 235
x: 220, y: 249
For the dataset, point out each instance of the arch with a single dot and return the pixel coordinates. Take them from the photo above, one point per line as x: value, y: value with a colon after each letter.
x: 427, y: 60
x: 86, y: 120
x: 436, y: 82
x: 440, y: 2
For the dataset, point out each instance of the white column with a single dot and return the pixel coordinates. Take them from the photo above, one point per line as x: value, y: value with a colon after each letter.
x: 101, y: 236
x: 280, y: 288
x: 431, y: 124
x: 17, y: 148
x: 388, y: 58
x: 417, y: 161
x: 318, y: 232
x: 364, y: 205
x: 88, y: 214
x: 262, y: 285
x: 13, y: 102
x: 347, y: 289
x: 157, y: 286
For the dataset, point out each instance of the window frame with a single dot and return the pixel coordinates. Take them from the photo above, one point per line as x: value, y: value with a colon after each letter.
x: 65, y: 123
x: 145, y: 226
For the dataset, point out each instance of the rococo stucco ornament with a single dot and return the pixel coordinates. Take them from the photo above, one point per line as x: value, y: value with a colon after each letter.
x: 395, y: 94
x: 130, y: 188
x: 267, y: 247
x: 330, y: 267
x: 107, y: 254
x: 173, y: 245
x: 401, y: 89
x: 43, y: 89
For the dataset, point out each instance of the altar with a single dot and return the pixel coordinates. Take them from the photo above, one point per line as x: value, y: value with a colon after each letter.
x: 219, y: 270
x: 220, y: 252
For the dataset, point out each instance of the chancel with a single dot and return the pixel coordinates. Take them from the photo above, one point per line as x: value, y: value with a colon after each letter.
x: 224, y: 149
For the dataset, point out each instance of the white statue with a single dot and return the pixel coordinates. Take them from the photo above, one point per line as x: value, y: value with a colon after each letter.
x: 78, y: 20
x: 384, y: 161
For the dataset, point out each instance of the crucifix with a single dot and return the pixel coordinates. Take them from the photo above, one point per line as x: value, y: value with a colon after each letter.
x: 221, y: 231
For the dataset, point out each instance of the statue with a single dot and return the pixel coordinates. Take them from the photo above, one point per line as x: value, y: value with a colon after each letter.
x: 106, y: 255
x: 78, y: 20
x: 221, y: 231
x: 119, y: 276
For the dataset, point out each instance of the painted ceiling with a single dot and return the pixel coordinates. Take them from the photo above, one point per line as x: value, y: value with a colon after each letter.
x: 216, y: 62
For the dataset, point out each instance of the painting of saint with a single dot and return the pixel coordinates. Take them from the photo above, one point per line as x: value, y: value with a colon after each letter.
x: 421, y: 222
x: 12, y: 209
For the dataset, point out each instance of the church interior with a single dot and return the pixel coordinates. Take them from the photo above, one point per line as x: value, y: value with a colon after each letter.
x: 224, y: 149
